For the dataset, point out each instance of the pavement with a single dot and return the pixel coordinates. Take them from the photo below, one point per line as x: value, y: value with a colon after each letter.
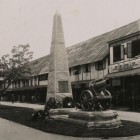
x: 13, y: 131
x: 26, y: 105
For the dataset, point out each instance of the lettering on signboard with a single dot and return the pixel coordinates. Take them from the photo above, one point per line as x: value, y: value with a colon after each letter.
x: 126, y: 65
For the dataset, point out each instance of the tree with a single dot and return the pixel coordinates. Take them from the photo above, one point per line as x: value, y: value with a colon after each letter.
x: 15, y: 66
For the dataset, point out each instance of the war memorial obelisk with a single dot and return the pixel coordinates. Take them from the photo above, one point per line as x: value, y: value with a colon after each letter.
x: 59, y: 85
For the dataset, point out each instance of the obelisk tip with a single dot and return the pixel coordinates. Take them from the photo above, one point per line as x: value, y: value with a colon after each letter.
x: 57, y: 13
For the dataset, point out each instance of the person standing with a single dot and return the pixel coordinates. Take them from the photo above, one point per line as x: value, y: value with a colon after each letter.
x: 13, y: 98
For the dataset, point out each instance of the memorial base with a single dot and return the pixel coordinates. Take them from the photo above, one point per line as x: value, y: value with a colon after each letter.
x: 91, y: 120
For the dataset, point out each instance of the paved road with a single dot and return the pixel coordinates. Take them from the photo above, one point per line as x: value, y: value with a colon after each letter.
x: 126, y: 115
x: 34, y: 106
x: 13, y: 131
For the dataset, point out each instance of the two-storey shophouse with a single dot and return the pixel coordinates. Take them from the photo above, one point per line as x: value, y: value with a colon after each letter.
x: 124, y: 68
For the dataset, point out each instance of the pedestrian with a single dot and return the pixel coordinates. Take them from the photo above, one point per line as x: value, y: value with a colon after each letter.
x: 13, y: 98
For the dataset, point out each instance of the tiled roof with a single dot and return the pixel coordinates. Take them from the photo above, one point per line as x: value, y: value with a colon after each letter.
x: 40, y: 66
x: 92, y: 50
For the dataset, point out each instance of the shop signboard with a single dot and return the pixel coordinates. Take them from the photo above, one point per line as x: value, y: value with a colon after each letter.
x: 126, y: 65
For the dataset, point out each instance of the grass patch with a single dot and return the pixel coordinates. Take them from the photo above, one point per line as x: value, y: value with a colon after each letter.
x: 23, y: 116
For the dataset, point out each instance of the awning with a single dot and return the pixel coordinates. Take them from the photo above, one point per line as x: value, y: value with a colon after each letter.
x: 124, y: 73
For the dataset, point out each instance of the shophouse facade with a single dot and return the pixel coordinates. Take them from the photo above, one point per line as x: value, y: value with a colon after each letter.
x: 34, y: 88
x: 124, y: 68
x: 114, y: 54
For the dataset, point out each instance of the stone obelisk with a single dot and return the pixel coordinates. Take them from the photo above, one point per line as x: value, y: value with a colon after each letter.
x: 59, y: 85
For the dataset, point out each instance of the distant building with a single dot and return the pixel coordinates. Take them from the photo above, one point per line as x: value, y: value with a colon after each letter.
x: 114, y: 54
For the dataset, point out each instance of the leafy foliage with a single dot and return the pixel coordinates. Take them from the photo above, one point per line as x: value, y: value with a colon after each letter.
x: 14, y: 66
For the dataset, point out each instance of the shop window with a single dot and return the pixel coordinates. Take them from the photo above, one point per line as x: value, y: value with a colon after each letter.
x: 31, y: 82
x: 100, y: 65
x: 87, y: 68
x: 76, y: 70
x: 23, y: 83
x: 118, y: 53
x: 26, y: 82
x: 35, y: 80
x: 12, y: 85
x: 1, y: 85
x: 18, y: 84
x: 63, y: 86
x: 70, y: 71
x: 135, y: 48
x: 43, y: 77
x: 15, y: 84
x: 125, y: 50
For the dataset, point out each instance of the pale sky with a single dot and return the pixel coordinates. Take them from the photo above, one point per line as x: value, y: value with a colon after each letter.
x: 30, y: 21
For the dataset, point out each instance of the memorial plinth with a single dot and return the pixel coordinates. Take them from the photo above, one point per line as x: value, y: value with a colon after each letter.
x: 91, y: 120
